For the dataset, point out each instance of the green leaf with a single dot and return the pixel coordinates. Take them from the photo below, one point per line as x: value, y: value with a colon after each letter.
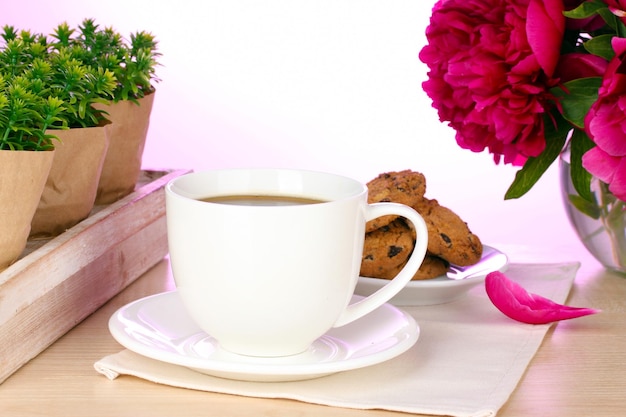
x: 82, y: 109
x: 589, y: 208
x: 600, y: 45
x: 585, y: 9
x: 581, y: 178
x: 620, y: 29
x: 535, y: 167
x: 609, y: 18
x: 9, y: 33
x: 576, y: 98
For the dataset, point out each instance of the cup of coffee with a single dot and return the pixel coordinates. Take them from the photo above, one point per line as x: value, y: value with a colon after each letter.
x: 267, y: 260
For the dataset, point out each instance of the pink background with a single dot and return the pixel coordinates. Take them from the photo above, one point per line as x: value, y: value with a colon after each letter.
x: 332, y: 85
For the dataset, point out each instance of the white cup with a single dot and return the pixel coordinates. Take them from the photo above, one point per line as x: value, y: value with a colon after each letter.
x: 269, y: 280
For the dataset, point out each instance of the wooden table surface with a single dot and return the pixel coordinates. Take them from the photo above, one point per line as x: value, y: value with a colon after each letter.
x: 580, y: 369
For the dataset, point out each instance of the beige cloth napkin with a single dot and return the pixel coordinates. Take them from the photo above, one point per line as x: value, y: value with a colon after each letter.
x: 467, y: 361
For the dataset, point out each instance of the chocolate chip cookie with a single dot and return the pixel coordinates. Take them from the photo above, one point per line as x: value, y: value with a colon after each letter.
x: 404, y: 187
x: 386, y: 248
x: 449, y: 237
x: 431, y: 267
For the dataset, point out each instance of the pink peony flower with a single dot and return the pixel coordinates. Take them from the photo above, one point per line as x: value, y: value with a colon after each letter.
x: 606, y: 125
x: 491, y: 65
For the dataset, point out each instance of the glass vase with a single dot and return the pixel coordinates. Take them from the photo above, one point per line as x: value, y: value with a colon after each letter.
x: 601, y: 226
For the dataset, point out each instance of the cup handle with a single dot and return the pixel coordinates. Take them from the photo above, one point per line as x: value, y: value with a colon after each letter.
x: 384, y: 294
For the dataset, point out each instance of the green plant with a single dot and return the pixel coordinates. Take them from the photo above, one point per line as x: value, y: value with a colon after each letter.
x: 48, y: 84
x: 26, y: 112
x: 46, y: 88
x: 132, y: 63
x: 20, y: 50
x: 26, y: 116
x: 79, y: 86
x: 139, y: 67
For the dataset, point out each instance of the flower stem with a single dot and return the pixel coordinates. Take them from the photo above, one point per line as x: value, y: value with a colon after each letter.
x: 614, y: 221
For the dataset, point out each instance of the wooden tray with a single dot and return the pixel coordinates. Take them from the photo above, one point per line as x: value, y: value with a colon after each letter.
x: 60, y: 281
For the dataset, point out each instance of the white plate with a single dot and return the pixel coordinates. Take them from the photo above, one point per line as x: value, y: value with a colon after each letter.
x: 430, y: 291
x: 158, y: 327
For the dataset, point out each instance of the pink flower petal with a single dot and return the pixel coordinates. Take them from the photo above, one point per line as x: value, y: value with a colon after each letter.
x: 545, y: 26
x: 515, y: 302
x: 577, y: 65
x: 600, y: 164
x: 618, y: 185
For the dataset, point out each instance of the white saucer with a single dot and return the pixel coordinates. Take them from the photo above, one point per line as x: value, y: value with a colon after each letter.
x: 158, y: 327
x: 430, y: 291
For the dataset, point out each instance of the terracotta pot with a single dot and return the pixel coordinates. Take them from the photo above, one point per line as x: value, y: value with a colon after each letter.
x: 127, y: 136
x: 71, y: 188
x: 22, y: 178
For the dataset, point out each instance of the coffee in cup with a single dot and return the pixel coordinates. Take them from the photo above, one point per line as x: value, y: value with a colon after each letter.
x: 266, y: 260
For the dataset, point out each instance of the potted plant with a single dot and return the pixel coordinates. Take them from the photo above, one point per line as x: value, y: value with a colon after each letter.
x: 133, y: 64
x: 71, y: 186
x: 26, y: 154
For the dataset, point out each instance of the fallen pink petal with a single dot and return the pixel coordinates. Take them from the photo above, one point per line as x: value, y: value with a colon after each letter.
x: 517, y: 303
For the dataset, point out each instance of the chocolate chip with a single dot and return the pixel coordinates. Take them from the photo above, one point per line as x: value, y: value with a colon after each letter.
x: 393, y: 251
